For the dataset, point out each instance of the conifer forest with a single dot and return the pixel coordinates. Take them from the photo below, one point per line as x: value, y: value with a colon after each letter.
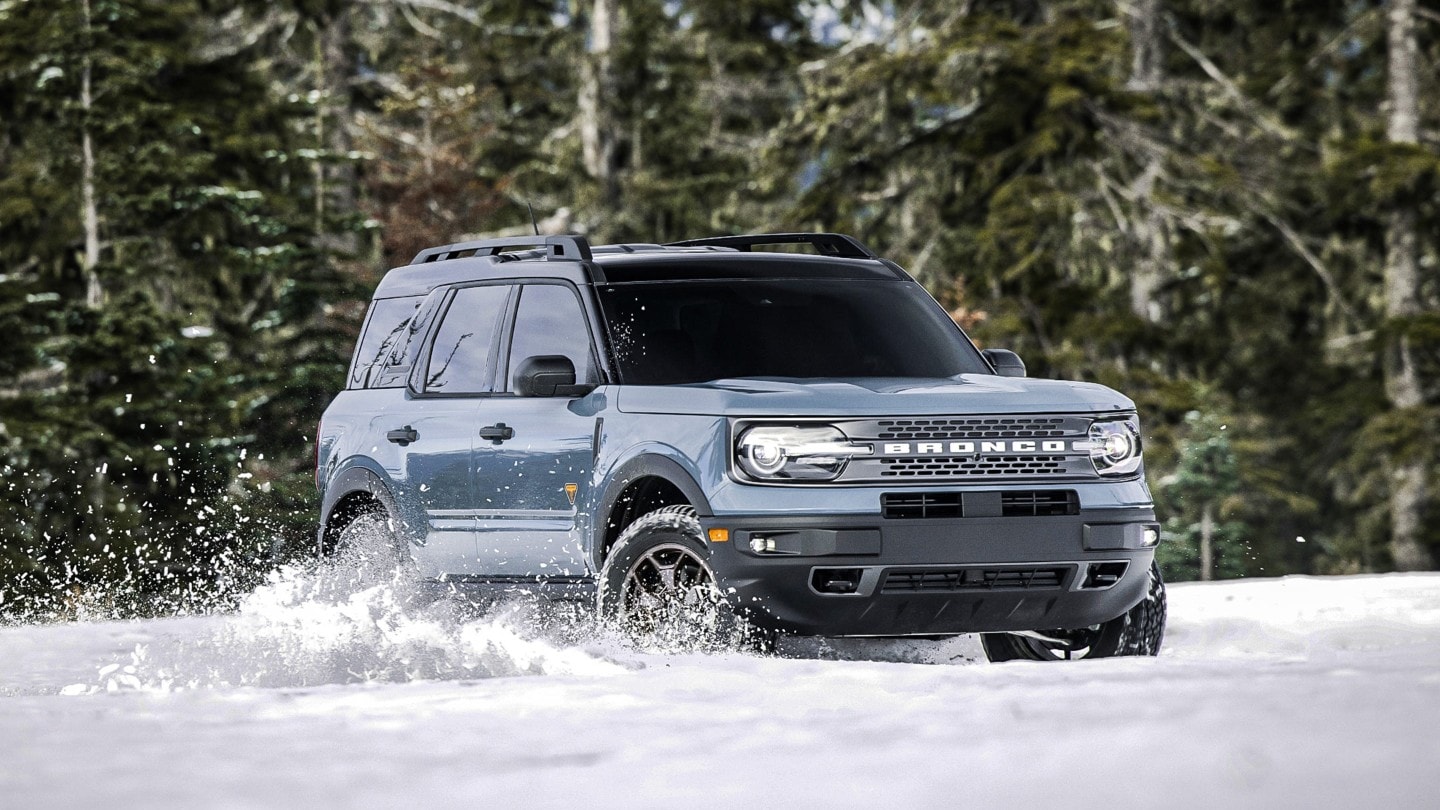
x: 1227, y: 209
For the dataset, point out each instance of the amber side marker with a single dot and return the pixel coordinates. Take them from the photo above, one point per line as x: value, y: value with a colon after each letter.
x: 719, y: 535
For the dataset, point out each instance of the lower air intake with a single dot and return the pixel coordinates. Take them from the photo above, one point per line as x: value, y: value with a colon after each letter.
x: 976, y: 578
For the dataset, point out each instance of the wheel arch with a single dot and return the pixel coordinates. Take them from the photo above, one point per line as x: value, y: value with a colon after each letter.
x: 639, y: 486
x: 350, y: 493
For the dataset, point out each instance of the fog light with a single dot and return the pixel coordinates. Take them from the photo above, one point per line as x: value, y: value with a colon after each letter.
x: 1150, y: 537
x: 762, y: 545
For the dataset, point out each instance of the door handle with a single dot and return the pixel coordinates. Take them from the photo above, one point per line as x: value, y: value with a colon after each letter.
x: 498, y: 432
x: 403, y: 436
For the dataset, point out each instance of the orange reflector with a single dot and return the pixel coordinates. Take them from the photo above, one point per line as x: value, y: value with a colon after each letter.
x: 719, y: 535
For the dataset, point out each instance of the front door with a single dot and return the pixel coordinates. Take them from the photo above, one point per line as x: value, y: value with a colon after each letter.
x: 537, y: 466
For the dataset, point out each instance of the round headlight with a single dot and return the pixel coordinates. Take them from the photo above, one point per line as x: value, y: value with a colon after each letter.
x: 764, y: 455
x: 1115, y: 446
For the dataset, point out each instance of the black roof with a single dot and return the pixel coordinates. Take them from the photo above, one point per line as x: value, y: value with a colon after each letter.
x: 571, y: 258
x: 684, y: 265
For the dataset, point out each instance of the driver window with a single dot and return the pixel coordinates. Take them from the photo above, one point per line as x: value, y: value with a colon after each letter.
x: 551, y: 321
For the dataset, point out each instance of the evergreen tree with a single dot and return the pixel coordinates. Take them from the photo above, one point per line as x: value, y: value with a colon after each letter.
x: 1202, y: 538
x: 145, y: 197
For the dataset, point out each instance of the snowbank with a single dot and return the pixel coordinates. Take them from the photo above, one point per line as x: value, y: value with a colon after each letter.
x: 1314, y: 692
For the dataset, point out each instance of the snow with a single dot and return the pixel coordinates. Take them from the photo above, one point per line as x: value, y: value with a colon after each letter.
x: 1293, y: 692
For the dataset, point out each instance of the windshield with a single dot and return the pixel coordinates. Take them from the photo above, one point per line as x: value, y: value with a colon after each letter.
x: 665, y: 333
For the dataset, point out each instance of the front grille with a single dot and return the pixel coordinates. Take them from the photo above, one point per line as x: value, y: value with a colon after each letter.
x: 927, y: 450
x: 974, y: 427
x: 951, y: 580
x: 972, y: 466
x: 1015, y: 503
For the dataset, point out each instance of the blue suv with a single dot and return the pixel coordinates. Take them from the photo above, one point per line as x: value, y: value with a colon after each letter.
x: 799, y: 439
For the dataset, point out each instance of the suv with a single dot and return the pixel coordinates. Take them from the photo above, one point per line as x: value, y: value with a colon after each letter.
x: 803, y: 441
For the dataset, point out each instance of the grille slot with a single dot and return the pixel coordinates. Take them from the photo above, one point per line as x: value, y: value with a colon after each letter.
x: 977, y: 578
x: 1021, y: 503
x: 975, y: 427
x: 921, y: 505
x: 967, y: 466
x: 1040, y: 503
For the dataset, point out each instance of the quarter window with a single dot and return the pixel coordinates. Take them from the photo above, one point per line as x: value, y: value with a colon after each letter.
x: 461, y: 355
x: 388, y: 324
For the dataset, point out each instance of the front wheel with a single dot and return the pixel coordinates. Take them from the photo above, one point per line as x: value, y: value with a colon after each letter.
x: 1137, y: 631
x: 658, y: 588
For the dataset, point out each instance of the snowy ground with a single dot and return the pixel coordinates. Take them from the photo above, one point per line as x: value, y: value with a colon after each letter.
x: 1296, y: 692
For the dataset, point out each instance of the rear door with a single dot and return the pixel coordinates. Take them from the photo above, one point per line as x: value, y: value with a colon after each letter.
x: 436, y: 427
x: 527, y: 485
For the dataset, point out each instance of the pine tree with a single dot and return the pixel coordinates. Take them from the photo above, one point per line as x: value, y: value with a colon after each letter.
x: 146, y: 204
x: 1202, y: 540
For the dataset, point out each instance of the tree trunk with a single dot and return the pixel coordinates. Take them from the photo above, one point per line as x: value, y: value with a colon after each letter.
x: 596, y: 102
x: 1207, y: 543
x: 1151, y: 230
x: 1147, y: 68
x: 335, y: 178
x: 89, y: 214
x: 1402, y: 292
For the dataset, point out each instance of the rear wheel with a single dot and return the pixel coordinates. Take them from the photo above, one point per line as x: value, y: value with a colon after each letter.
x: 1138, y: 631
x: 369, y: 550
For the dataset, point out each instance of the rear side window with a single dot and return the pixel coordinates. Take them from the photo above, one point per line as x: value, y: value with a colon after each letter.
x: 464, y: 347
x: 388, y: 324
x: 394, y: 370
x: 550, y: 322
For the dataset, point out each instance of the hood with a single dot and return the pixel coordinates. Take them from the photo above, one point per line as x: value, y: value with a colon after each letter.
x: 873, y: 397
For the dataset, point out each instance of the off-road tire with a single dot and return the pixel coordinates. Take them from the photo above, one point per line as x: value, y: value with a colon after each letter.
x: 658, y: 588
x: 1138, y: 631
x: 368, y: 541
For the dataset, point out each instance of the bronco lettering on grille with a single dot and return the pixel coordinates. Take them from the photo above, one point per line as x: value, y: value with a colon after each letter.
x: 971, y: 448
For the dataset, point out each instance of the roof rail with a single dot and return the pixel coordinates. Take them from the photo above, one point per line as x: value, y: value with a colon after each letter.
x: 827, y: 244
x: 557, y: 248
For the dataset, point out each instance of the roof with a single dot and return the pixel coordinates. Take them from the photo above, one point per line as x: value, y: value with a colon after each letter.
x: 572, y: 259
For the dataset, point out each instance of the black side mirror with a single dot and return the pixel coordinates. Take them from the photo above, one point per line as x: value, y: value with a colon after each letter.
x: 1005, y: 362
x: 550, y: 375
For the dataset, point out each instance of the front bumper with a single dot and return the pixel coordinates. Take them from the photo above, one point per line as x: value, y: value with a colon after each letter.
x: 857, y: 575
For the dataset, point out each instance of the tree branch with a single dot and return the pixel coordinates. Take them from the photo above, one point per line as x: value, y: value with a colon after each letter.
x: 1315, y: 263
x: 1265, y: 120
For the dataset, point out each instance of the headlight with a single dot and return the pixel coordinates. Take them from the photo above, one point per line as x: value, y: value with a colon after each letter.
x: 1115, y: 446
x: 788, y: 452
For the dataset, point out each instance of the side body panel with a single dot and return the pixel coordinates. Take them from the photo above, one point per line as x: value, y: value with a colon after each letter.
x: 529, y: 488
x: 428, y: 479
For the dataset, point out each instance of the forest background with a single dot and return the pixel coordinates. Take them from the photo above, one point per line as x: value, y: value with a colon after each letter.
x: 1228, y: 209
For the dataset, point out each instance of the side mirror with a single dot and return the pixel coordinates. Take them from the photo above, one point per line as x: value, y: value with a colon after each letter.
x: 550, y: 375
x: 1005, y: 362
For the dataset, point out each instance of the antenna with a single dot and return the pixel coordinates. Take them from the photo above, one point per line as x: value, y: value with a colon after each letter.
x: 533, y: 223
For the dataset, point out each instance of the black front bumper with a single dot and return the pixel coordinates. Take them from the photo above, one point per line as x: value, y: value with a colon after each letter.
x: 869, y: 576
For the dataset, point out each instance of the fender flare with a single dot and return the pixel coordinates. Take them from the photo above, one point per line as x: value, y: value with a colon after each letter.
x: 643, y: 466
x: 349, y: 482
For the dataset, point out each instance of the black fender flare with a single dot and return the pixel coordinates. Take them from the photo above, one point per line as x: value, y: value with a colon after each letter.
x: 644, y: 466
x: 349, y: 482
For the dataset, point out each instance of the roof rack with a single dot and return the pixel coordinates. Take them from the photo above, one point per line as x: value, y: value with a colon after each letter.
x: 827, y: 244
x: 557, y: 248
